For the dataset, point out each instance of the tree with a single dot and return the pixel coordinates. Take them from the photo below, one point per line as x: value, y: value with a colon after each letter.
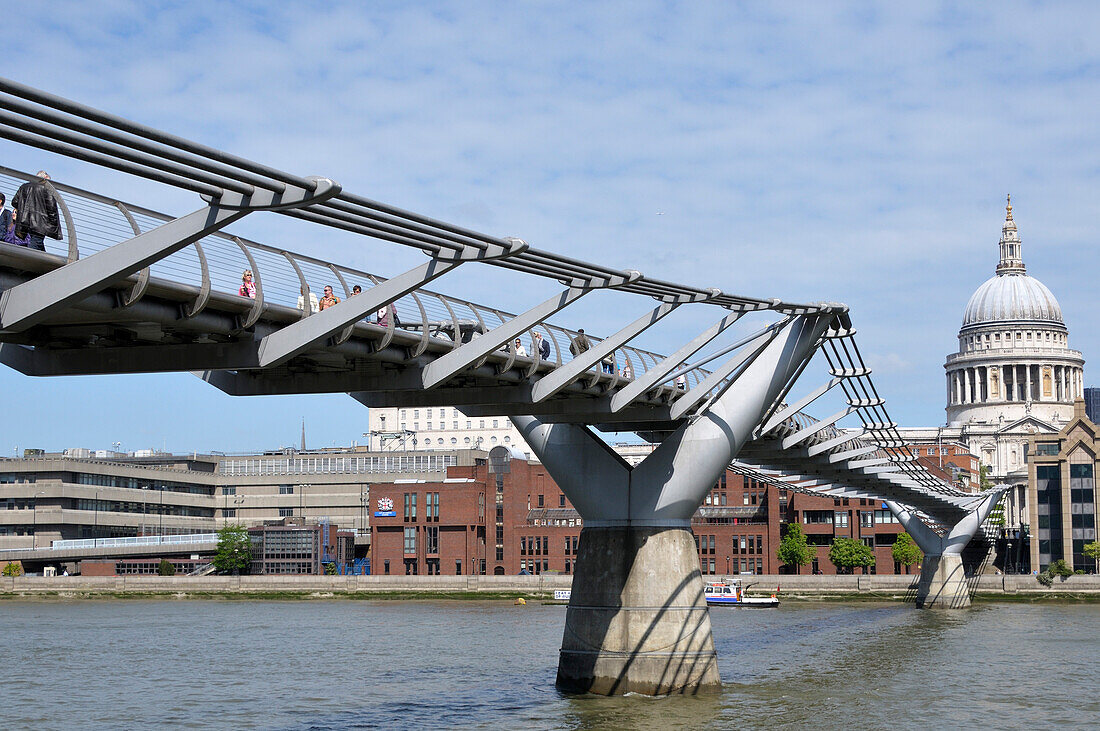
x: 793, y: 549
x: 234, y: 550
x: 905, y: 551
x: 984, y: 483
x: 847, y: 553
x: 13, y: 569
x: 166, y: 568
x: 1092, y: 550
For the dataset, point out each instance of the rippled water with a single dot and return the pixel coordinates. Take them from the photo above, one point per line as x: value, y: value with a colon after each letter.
x: 383, y: 664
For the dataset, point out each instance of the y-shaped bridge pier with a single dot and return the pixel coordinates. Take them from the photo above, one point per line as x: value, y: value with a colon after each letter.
x: 133, y: 290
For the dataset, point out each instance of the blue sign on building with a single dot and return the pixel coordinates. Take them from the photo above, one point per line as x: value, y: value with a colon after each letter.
x: 385, y: 514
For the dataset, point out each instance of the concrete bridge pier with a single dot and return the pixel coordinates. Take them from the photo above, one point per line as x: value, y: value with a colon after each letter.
x: 637, y: 620
x: 943, y: 582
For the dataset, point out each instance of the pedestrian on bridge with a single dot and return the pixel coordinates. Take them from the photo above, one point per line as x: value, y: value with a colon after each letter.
x: 248, y: 287
x: 580, y: 343
x: 36, y: 215
x: 329, y: 300
x: 542, y: 347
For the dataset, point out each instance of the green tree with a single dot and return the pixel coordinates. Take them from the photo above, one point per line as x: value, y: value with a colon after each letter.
x: 166, y: 568
x: 906, y: 551
x: 984, y: 483
x: 1092, y: 550
x: 13, y: 569
x: 847, y: 553
x: 234, y: 550
x: 793, y: 549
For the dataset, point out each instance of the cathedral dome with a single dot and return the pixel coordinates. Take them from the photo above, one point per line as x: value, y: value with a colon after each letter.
x: 1012, y: 298
x: 1011, y: 295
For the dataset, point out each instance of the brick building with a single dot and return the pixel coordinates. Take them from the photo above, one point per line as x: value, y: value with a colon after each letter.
x: 505, y: 515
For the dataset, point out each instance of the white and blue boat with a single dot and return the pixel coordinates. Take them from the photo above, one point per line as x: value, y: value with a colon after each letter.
x: 732, y: 594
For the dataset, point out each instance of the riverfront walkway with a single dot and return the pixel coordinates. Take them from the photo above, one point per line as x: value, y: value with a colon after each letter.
x: 883, y: 586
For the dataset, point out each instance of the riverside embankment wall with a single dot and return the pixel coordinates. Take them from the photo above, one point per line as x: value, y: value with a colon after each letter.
x: 884, y: 586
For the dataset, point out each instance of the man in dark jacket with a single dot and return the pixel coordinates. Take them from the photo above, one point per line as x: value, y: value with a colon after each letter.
x: 36, y: 213
x: 580, y: 343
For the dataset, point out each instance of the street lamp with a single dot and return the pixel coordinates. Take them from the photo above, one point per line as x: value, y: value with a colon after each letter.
x: 144, y: 505
x: 34, y: 531
x: 727, y: 565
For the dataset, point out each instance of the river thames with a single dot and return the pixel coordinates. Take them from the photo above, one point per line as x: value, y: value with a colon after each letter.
x: 393, y: 664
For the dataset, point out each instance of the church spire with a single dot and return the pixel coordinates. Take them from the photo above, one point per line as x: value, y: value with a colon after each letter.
x: 1012, y: 261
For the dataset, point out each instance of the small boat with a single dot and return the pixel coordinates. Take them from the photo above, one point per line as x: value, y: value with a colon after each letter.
x: 732, y: 594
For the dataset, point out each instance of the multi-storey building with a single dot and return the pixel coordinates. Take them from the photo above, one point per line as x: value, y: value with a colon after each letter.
x: 505, y: 515
x: 1062, y: 490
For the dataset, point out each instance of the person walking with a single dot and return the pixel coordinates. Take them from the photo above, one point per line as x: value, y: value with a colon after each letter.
x: 520, y: 350
x: 628, y: 371
x: 314, y: 306
x: 580, y: 343
x: 36, y: 215
x: 329, y: 300
x: 542, y: 347
x: 248, y: 287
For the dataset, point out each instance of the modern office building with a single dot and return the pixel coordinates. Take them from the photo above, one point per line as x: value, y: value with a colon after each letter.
x: 1092, y: 404
x: 294, y: 546
x: 84, y: 494
x: 1062, y: 490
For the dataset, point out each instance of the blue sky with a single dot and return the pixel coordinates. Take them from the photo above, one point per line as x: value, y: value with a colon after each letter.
x: 809, y: 151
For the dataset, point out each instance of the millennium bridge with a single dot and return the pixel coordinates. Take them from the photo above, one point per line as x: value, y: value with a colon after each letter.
x: 133, y: 290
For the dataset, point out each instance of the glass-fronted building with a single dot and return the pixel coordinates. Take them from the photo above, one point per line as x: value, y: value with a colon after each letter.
x: 1062, y: 492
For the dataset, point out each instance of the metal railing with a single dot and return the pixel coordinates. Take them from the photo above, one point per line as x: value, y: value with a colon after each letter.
x: 176, y: 540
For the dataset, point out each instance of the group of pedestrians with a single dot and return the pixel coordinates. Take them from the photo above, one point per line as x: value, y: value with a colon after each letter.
x: 248, y: 289
x: 33, y: 215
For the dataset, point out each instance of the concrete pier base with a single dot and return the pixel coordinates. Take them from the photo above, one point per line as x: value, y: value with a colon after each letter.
x: 942, y: 583
x: 637, y: 619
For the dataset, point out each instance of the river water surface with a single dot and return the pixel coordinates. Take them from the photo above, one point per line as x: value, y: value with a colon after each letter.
x: 393, y: 664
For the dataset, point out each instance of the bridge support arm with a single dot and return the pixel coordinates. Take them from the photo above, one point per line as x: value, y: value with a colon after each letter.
x: 943, y: 580
x: 637, y: 618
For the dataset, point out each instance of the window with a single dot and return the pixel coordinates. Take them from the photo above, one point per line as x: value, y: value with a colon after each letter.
x: 286, y: 489
x: 431, y: 539
x: 458, y: 567
x: 816, y: 516
x: 840, y: 519
x: 410, y: 506
x: 410, y: 540
x: 866, y: 519
x: 416, y: 413
x: 286, y: 512
x: 229, y: 491
x: 561, y: 500
x: 442, y: 413
x: 431, y: 506
x: 429, y: 426
x: 230, y: 512
x: 1047, y: 448
x: 454, y: 424
x: 469, y: 424
x: 481, y: 424
x: 541, y: 501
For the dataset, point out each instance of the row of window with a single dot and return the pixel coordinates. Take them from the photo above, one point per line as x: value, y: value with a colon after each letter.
x: 324, y: 465
x: 985, y: 341
x: 454, y: 440
x: 536, y: 545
